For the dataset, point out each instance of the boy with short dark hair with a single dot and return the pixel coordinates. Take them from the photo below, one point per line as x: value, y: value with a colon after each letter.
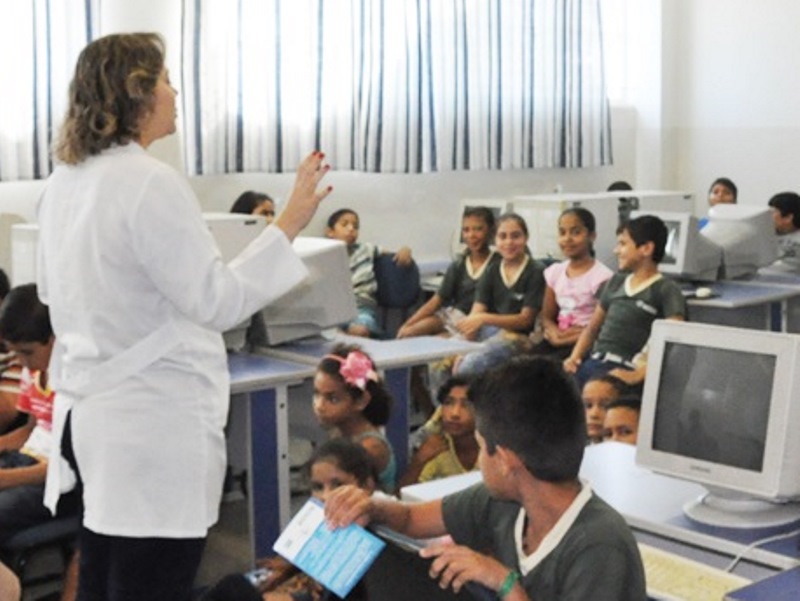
x: 25, y: 328
x: 631, y: 301
x: 786, y: 215
x: 531, y: 529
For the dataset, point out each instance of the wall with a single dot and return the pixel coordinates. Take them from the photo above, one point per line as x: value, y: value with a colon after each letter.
x: 734, y: 102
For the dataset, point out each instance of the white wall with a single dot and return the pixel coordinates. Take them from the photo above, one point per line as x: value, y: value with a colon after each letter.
x: 736, y: 74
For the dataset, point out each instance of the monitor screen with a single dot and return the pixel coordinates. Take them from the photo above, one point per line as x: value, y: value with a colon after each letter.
x: 715, y: 409
x: 713, y: 404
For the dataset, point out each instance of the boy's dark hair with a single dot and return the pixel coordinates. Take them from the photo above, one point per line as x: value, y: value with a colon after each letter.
x: 619, y: 386
x: 248, y: 201
x: 23, y: 317
x: 647, y: 228
x: 530, y: 406
x: 337, y: 214
x: 728, y: 183
x: 5, y: 285
x: 631, y: 401
x: 348, y: 456
x: 787, y: 203
x: 449, y: 384
x: 379, y: 407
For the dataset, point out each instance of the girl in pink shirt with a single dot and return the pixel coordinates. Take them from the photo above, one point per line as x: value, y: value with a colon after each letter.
x: 573, y: 286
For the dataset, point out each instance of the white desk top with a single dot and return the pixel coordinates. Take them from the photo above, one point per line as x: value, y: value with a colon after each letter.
x: 387, y: 354
x: 251, y: 372
x: 735, y: 294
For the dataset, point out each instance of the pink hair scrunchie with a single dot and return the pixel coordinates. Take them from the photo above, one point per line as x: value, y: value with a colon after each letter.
x: 356, y: 369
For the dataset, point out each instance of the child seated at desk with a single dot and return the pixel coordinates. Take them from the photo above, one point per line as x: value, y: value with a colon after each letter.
x: 572, y: 285
x: 344, y: 225
x: 507, y: 300
x: 24, y: 453
x: 335, y: 463
x: 785, y: 208
x: 351, y: 399
x: 531, y: 529
x: 456, y: 294
x: 450, y: 447
x: 721, y: 191
x: 622, y: 419
x: 597, y: 394
x: 631, y: 301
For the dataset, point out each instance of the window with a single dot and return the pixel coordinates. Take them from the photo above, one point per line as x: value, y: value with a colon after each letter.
x: 396, y: 86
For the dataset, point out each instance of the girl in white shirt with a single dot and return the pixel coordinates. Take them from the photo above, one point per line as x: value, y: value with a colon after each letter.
x: 138, y: 297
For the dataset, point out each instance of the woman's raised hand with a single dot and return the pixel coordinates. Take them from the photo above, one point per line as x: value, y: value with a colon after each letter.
x: 306, y: 195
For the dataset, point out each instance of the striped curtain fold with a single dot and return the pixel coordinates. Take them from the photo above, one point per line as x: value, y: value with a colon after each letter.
x: 407, y: 86
x: 39, y: 41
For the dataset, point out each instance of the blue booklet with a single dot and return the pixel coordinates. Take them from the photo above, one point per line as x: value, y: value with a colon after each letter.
x: 337, y: 559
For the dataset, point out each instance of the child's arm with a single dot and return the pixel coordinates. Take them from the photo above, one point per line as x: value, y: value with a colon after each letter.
x: 432, y: 447
x: 351, y: 504
x: 14, y: 440
x: 20, y: 476
x: 585, y: 340
x: 478, y: 317
x: 429, y: 308
x: 456, y: 565
x: 635, y: 376
x: 403, y: 256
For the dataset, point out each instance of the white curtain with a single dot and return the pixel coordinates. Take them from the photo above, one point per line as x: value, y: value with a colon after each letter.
x: 394, y: 86
x: 39, y: 42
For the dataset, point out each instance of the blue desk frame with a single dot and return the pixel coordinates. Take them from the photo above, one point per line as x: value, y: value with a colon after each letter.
x: 264, y: 383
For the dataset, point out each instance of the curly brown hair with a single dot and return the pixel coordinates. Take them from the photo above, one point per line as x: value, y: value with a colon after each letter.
x: 111, y: 91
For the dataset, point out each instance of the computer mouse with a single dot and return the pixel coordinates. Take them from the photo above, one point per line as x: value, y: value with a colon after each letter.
x: 703, y: 292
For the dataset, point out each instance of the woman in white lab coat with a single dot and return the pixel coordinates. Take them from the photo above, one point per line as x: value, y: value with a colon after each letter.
x: 138, y: 298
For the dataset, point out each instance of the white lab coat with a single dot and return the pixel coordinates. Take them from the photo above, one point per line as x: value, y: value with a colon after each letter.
x: 138, y: 299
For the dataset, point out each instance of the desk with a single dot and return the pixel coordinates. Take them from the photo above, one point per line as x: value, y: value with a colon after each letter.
x: 745, y: 304
x: 650, y: 503
x: 264, y: 384
x: 394, y: 358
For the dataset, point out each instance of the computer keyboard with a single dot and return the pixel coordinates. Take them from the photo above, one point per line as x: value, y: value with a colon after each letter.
x: 672, y: 577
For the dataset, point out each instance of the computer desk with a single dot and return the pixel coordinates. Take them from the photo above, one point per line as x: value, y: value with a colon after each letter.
x: 395, y: 358
x: 760, y: 305
x: 263, y: 383
x: 652, y: 505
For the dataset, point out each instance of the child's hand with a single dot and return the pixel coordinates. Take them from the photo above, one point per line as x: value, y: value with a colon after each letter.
x: 470, y: 325
x: 571, y: 365
x: 456, y: 565
x: 432, y: 447
x: 403, y: 257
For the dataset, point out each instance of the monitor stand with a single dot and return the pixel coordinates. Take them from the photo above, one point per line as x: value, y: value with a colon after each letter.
x: 724, y: 512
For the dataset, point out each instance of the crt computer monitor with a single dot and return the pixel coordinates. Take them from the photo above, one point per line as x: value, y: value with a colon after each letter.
x: 688, y: 255
x: 324, y: 300
x: 746, y: 236
x: 720, y: 408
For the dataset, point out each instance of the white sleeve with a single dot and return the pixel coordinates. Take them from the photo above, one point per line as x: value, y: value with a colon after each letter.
x: 176, y: 249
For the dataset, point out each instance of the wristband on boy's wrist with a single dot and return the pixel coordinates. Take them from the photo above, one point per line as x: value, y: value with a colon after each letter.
x: 511, y: 579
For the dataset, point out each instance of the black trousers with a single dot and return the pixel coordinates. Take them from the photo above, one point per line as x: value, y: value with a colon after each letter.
x: 120, y: 568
